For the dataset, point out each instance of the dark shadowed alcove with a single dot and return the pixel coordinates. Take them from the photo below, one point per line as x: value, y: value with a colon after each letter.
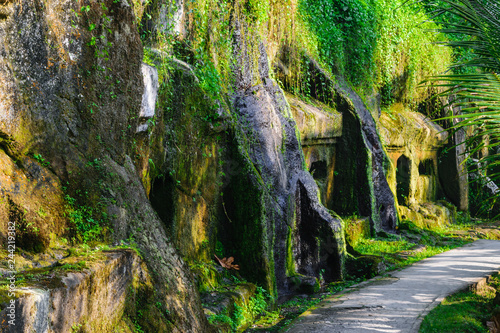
x: 316, y: 251
x: 161, y: 197
x: 403, y: 179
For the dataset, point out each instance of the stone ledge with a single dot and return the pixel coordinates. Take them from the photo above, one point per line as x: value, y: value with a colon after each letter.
x: 93, y: 299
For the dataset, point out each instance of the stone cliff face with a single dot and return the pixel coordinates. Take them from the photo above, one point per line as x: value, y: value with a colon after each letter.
x: 292, y: 212
x: 412, y: 142
x: 93, y: 300
x: 71, y: 92
x: 109, y: 138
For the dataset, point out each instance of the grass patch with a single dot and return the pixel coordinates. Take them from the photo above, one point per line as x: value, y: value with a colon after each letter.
x: 413, y: 244
x: 462, y: 312
x: 465, y: 311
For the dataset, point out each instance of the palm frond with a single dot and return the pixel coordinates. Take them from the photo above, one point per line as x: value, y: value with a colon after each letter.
x: 476, y: 24
x: 477, y: 19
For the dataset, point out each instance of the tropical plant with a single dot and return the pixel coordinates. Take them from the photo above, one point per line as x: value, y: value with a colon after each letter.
x: 473, y: 95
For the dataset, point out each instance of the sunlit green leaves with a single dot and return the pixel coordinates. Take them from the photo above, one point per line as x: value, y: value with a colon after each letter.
x: 475, y: 94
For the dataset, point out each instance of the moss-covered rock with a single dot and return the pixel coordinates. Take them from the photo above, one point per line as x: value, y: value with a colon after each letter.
x: 319, y: 126
x: 361, y: 185
x: 413, y: 141
x: 90, y: 296
x: 234, y: 308
x: 71, y: 87
x: 270, y: 149
x: 356, y: 229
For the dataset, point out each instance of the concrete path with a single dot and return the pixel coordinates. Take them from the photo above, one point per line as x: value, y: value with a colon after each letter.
x: 399, y: 303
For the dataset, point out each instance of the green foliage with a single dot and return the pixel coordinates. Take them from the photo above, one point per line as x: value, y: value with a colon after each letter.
x: 347, y: 35
x: 245, y: 312
x: 397, y: 251
x: 209, y: 44
x: 206, y: 275
x: 41, y: 160
x: 76, y: 328
x: 476, y: 94
x: 460, y: 54
x: 257, y: 10
x: 269, y: 318
x: 138, y: 327
x: 100, y: 29
x: 259, y: 302
x: 209, y: 79
x: 376, y: 44
x: 274, y: 321
x: 219, y: 249
x: 87, y: 226
x: 379, y: 246
x: 464, y: 311
x: 221, y: 319
x: 74, y: 267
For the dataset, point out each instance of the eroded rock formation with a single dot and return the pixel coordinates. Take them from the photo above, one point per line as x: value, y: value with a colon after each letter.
x: 71, y: 89
x: 105, y: 137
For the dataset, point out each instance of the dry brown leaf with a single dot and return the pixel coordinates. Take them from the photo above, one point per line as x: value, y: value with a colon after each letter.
x: 227, y: 263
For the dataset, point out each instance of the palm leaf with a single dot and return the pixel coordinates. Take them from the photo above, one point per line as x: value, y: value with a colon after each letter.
x: 476, y: 95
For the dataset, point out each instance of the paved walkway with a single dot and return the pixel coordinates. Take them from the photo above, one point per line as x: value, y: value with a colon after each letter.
x: 399, y: 302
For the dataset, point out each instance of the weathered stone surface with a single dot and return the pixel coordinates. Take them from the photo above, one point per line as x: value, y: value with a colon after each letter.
x: 304, y: 284
x: 452, y: 167
x: 189, y: 169
x: 319, y: 126
x: 290, y: 216
x: 357, y: 228
x: 402, y: 129
x: 73, y: 98
x: 413, y: 138
x: 365, y: 266
x: 361, y: 181
x: 225, y: 302
x: 164, y: 17
x: 427, y: 215
x: 173, y: 280
x: 93, y: 300
x: 318, y: 123
x: 31, y: 197
x: 494, y: 323
x: 360, y: 186
x: 413, y: 141
x: 149, y: 96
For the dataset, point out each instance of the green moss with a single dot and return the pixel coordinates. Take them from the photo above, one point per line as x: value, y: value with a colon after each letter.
x: 356, y: 229
x: 206, y: 275
x: 242, y: 312
x: 4, y: 295
x: 290, y: 261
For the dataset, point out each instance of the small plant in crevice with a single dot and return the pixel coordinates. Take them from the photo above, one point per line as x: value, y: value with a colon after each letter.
x: 243, y: 313
x: 86, y: 206
x: 41, y: 160
x: 89, y: 225
x: 219, y: 249
x: 221, y: 319
x: 206, y: 275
